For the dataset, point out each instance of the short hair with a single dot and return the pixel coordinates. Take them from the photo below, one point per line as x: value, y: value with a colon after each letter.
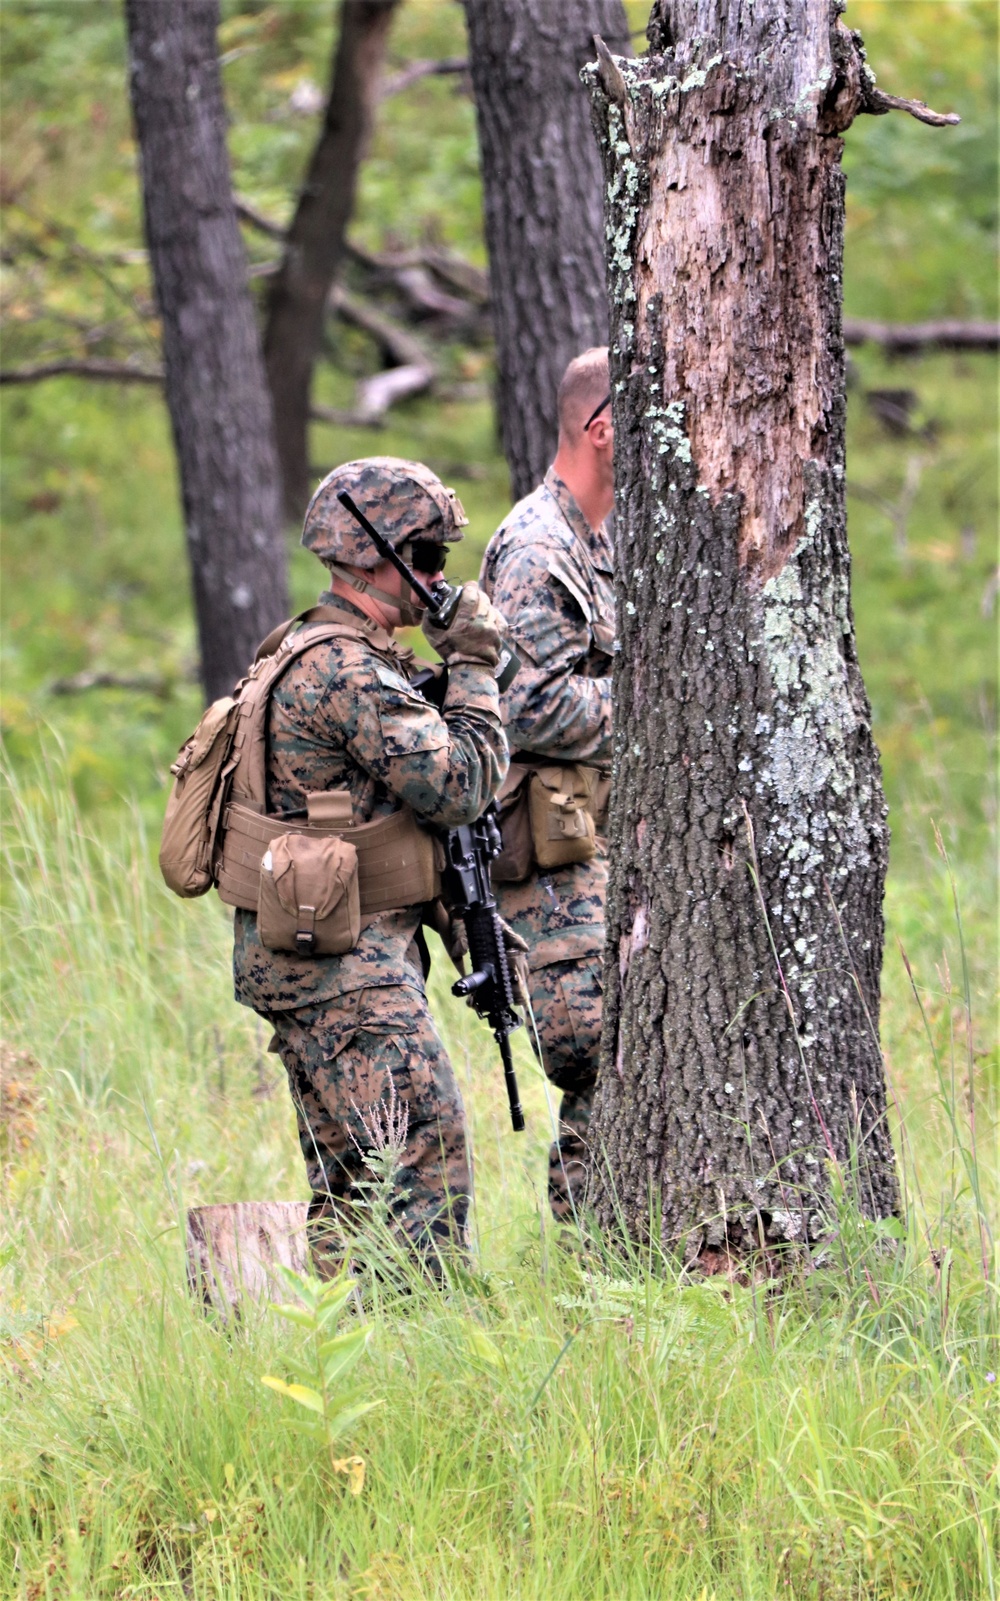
x: 583, y: 386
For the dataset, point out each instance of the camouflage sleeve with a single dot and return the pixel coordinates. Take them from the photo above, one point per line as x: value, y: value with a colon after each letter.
x: 446, y: 765
x: 550, y: 708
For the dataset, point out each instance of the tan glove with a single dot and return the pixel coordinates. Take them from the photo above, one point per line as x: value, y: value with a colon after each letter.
x: 475, y: 633
x: 517, y: 959
x: 451, y: 931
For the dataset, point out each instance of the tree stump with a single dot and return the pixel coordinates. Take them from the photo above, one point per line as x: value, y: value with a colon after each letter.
x: 233, y: 1251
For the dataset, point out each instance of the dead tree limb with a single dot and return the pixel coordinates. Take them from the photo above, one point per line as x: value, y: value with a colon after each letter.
x: 399, y: 347
x: 255, y: 218
x: 901, y: 338
x: 411, y: 370
x: 314, y: 241
x: 114, y: 372
x: 462, y: 275
x: 414, y: 71
x: 140, y: 684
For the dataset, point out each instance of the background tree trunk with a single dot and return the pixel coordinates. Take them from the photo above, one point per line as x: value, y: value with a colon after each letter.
x: 315, y: 241
x: 749, y: 843
x: 216, y: 388
x: 542, y: 203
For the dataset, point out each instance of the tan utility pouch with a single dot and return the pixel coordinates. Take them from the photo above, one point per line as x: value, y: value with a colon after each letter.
x: 308, y: 899
x: 516, y: 859
x: 562, y: 829
x: 191, y: 824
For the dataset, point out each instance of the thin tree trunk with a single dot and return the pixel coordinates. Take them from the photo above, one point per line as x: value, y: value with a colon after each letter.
x: 542, y: 203
x: 315, y: 241
x: 741, y: 1062
x: 216, y: 389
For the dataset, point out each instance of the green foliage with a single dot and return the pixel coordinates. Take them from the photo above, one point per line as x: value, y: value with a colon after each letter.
x: 922, y: 202
x: 320, y: 1387
x: 557, y: 1423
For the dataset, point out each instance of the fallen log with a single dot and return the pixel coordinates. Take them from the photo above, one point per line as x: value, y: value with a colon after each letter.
x: 234, y: 1251
x: 399, y: 346
x: 901, y: 338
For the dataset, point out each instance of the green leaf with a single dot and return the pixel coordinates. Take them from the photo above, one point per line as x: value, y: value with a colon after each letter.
x: 296, y: 1392
x: 304, y: 1285
x: 339, y: 1355
x: 333, y: 1302
x: 482, y: 1346
x: 891, y: 1226
x: 296, y: 1314
x: 349, y: 1414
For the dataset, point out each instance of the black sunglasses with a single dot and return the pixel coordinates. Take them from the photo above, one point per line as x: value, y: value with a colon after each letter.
x: 597, y: 412
x: 427, y: 556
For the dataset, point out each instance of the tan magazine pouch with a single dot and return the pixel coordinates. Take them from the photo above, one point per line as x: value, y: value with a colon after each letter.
x: 562, y: 829
x: 308, y: 899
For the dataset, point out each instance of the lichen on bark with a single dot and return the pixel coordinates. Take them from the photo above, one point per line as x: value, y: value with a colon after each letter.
x: 748, y: 838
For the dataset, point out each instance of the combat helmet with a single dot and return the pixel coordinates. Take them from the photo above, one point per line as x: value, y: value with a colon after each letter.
x: 404, y: 500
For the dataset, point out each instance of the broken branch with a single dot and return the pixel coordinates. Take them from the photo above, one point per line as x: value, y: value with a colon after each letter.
x: 901, y: 337
x: 80, y: 683
x: 414, y: 71
x: 116, y: 372
x: 255, y: 218
x: 876, y: 103
x: 399, y: 346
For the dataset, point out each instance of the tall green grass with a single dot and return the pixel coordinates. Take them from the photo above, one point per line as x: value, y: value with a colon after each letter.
x: 556, y: 1423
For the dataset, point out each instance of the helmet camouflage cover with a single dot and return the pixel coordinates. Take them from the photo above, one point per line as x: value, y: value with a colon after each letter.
x: 404, y: 500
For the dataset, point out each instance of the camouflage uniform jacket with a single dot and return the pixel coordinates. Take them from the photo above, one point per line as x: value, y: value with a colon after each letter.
x: 550, y: 574
x: 344, y: 716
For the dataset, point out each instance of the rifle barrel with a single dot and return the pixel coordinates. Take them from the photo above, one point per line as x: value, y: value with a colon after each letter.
x: 513, y: 1093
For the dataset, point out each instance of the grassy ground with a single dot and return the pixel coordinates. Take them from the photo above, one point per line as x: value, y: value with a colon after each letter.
x: 555, y: 1425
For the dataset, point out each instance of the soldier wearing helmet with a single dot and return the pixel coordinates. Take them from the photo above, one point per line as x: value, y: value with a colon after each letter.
x: 354, y: 1030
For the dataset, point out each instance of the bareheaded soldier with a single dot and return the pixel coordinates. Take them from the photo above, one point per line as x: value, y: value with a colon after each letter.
x: 350, y: 743
x: 548, y: 569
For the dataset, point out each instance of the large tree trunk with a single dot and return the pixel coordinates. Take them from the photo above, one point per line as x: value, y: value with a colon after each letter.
x: 542, y: 202
x: 315, y: 240
x: 216, y: 389
x: 741, y: 1061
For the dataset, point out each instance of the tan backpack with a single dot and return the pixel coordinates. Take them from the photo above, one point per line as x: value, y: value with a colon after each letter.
x: 207, y: 760
x: 217, y: 829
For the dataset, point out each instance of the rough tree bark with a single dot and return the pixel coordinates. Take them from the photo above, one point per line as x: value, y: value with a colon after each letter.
x: 542, y: 203
x: 741, y: 1058
x: 315, y: 240
x: 216, y: 389
x: 233, y: 1251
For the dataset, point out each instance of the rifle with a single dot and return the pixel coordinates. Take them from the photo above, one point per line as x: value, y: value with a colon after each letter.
x: 470, y: 849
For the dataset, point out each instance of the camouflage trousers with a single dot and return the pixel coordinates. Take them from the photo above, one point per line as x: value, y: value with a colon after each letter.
x: 369, y: 1076
x: 561, y: 915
